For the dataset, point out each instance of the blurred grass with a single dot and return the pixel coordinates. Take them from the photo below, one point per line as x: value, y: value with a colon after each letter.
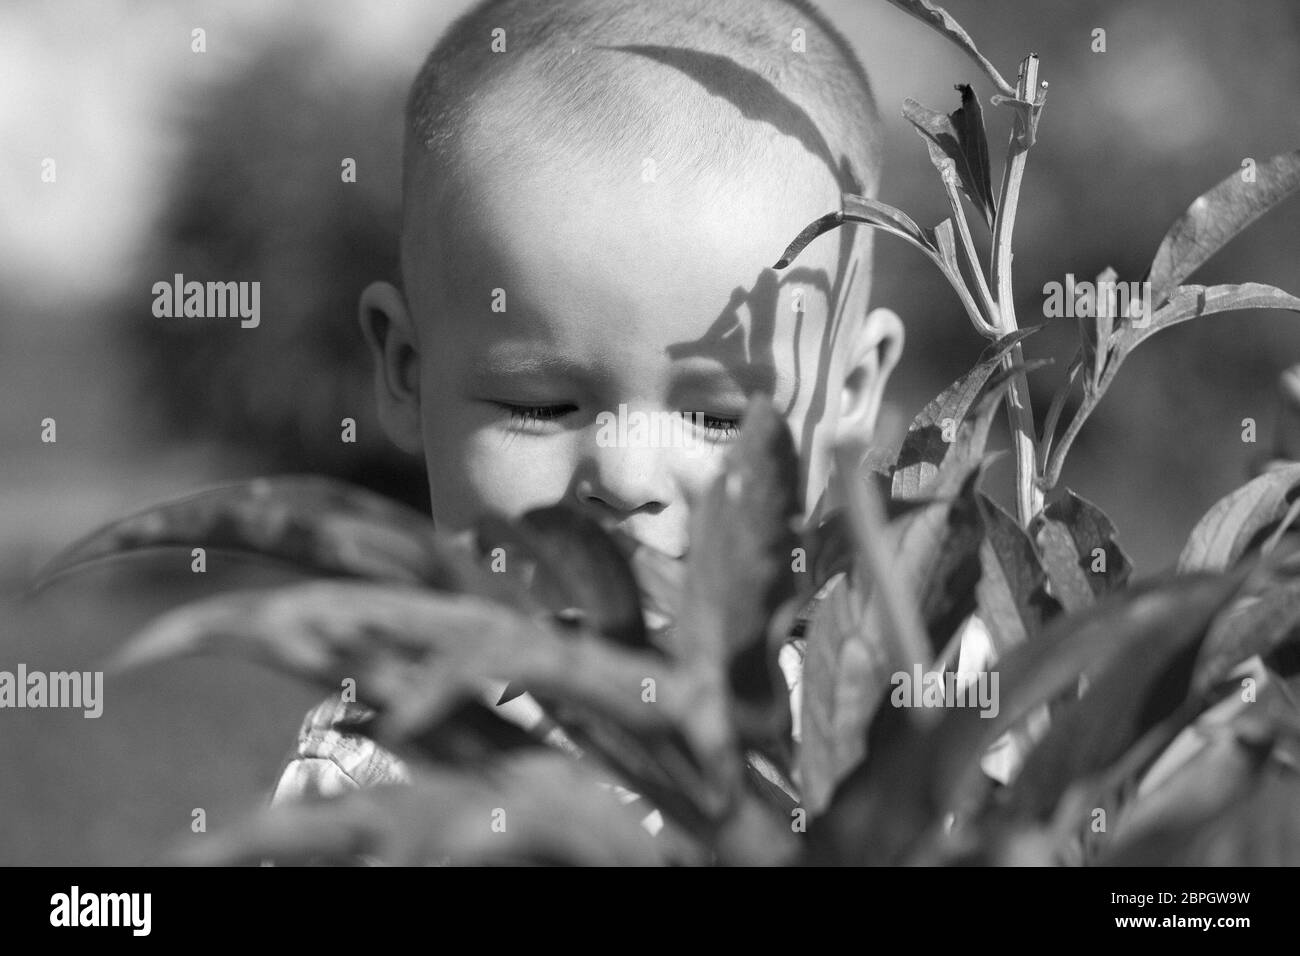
x: 117, y: 789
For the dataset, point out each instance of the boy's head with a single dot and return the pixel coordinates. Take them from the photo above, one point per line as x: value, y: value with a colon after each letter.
x: 594, y: 193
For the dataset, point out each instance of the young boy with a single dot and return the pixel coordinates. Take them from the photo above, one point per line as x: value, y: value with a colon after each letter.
x: 594, y: 193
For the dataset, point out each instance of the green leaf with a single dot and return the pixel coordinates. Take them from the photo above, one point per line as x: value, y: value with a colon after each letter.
x: 853, y: 645
x: 1139, y: 685
x: 844, y: 677
x: 1255, y: 624
x: 318, y: 524
x: 937, y: 18
x: 884, y: 806
x: 577, y: 566
x: 469, y: 734
x: 1238, y: 519
x: 1188, y: 302
x: 738, y: 573
x: 415, y: 655
x: 830, y: 551
x: 1074, y: 645
x: 1080, y: 551
x: 1095, y: 331
x: 1216, y: 217
x: 960, y: 136
x: 830, y: 547
x: 884, y: 216
x: 924, y: 448
x: 871, y: 212
x: 1060, y: 559
x: 660, y: 577
x: 973, y: 432
x: 945, y: 539
x: 938, y: 244
x: 553, y: 810
x: 1012, y: 596
x: 1232, y: 804
x: 1193, y: 301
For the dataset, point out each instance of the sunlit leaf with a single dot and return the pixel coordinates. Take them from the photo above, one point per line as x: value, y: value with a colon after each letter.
x: 1188, y: 302
x: 937, y: 18
x: 1193, y: 301
x: 1216, y: 217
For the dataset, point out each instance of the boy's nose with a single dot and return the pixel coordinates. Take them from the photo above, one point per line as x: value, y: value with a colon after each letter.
x: 621, y: 482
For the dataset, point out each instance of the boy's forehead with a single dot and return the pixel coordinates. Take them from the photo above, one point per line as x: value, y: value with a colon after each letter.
x: 658, y: 256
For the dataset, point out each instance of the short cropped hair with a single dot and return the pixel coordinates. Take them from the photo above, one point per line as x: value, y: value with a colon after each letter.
x: 582, y: 71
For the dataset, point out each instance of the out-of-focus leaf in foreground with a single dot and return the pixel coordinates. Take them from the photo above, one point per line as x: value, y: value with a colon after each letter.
x: 738, y: 573
x: 536, y: 808
x: 318, y: 524
x: 1239, y: 518
x: 1080, y: 644
x: 414, y: 655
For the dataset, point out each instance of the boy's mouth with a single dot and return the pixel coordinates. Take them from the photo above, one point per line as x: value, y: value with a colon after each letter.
x: 631, y: 545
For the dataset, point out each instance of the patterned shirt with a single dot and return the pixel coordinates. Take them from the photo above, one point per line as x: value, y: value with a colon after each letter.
x: 333, y: 757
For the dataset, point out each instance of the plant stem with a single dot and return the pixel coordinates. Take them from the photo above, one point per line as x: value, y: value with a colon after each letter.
x: 1020, y: 413
x: 988, y: 308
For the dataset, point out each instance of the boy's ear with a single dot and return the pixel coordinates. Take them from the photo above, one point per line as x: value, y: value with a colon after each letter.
x: 874, y: 350
x: 390, y: 334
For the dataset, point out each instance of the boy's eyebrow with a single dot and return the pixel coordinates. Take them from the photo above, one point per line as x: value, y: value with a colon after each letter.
x: 749, y: 377
x: 536, y: 365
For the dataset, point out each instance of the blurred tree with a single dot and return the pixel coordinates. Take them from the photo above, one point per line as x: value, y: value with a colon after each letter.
x: 259, y: 193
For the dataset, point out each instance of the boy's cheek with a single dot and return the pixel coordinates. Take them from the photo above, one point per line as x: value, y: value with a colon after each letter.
x: 489, y: 471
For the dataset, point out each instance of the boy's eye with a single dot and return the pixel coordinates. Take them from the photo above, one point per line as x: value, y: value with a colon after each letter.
x: 531, y: 416
x: 717, y: 427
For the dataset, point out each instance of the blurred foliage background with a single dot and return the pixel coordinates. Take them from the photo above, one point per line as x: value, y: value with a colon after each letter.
x: 226, y: 164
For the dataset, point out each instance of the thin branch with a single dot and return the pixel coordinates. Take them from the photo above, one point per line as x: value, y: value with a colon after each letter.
x: 1020, y: 414
x: 988, y: 307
